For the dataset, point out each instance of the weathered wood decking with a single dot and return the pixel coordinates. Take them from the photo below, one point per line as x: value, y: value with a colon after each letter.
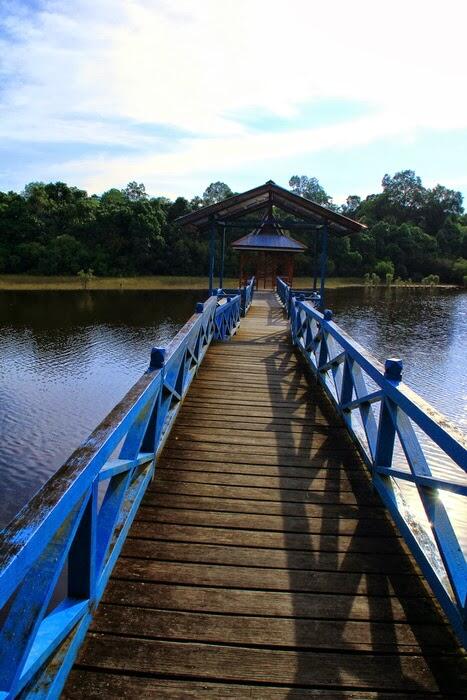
x: 261, y: 564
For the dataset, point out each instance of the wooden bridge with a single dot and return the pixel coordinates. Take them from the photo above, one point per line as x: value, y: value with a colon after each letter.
x: 262, y: 561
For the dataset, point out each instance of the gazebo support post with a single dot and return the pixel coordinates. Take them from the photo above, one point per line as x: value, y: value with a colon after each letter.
x: 212, y: 245
x: 240, y: 276
x: 315, y: 261
x: 324, y: 261
x: 221, y: 271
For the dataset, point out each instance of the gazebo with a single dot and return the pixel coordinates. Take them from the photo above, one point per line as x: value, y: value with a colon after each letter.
x: 267, y: 248
x: 267, y: 252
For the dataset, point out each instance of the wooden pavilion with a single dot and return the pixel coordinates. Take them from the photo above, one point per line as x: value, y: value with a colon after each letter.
x: 267, y: 252
x: 267, y: 248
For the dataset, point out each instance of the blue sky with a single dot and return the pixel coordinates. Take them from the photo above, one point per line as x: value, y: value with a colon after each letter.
x: 177, y: 95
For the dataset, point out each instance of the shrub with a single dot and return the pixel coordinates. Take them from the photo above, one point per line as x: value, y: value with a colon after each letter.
x: 85, y: 276
x: 384, y: 267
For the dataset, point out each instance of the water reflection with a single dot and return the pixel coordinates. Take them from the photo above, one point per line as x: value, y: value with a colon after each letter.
x: 68, y: 357
x: 427, y: 329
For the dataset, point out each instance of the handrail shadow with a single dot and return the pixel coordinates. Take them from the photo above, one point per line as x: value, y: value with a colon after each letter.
x: 383, y: 591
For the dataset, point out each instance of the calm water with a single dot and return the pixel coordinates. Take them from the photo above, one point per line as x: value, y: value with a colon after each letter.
x: 67, y: 357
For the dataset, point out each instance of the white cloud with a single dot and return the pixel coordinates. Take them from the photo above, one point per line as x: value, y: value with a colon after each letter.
x: 91, y: 72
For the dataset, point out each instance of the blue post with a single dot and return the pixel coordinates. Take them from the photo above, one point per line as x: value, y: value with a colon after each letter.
x: 323, y: 348
x: 324, y: 261
x: 157, y: 358
x: 393, y: 369
x: 212, y: 243
x: 221, y: 271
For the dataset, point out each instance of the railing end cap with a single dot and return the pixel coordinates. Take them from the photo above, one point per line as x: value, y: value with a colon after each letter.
x: 157, y: 358
x: 393, y: 367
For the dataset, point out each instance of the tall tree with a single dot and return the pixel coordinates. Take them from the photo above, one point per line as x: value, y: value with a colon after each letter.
x: 310, y: 188
x: 216, y: 192
x: 135, y: 192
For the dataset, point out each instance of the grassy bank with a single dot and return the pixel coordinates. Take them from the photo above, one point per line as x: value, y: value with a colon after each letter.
x: 33, y: 282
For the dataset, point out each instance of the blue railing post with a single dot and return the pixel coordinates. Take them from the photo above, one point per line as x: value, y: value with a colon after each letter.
x: 393, y: 369
x: 386, y: 428
x: 227, y: 316
x: 323, y: 346
x: 157, y: 358
x: 158, y: 355
x: 243, y: 301
x: 82, y: 557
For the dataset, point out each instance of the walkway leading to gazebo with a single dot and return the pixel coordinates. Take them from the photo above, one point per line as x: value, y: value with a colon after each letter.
x: 261, y: 564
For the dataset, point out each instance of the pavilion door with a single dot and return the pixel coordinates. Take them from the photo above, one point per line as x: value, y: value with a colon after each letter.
x: 270, y: 266
x: 265, y: 270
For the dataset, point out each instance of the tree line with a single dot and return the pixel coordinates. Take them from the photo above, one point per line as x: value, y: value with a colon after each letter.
x: 56, y: 229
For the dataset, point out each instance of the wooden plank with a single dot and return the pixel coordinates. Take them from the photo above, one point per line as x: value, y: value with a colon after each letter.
x: 252, y: 410
x: 210, y: 444
x: 345, y: 475
x: 264, y: 539
x: 388, y: 672
x: 232, y: 601
x: 211, y: 419
x: 292, y: 513
x: 271, y: 632
x: 255, y: 408
x: 255, y: 515
x: 373, y: 562
x: 296, y: 397
x: 336, y: 441
x: 321, y: 458
x: 86, y: 683
x: 221, y: 476
x: 226, y: 379
x: 251, y: 577
x: 266, y: 494
x: 264, y: 401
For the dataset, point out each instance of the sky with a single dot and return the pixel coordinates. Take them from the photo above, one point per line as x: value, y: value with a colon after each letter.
x: 178, y: 94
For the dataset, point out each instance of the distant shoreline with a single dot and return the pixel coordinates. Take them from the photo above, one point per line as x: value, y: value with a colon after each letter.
x: 156, y: 282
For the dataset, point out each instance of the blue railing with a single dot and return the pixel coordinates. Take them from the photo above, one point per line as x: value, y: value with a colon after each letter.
x: 246, y: 295
x: 58, y: 553
x: 285, y: 294
x: 417, y: 459
x: 227, y: 316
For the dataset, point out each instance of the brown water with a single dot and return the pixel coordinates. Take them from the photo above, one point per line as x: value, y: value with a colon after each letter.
x: 66, y: 358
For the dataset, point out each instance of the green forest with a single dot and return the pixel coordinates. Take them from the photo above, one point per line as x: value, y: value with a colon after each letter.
x: 57, y: 229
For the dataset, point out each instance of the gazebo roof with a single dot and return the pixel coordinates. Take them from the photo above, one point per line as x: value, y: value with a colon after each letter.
x: 268, y: 236
x: 261, y: 197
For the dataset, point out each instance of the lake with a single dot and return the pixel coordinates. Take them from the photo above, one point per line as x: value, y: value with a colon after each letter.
x: 66, y: 358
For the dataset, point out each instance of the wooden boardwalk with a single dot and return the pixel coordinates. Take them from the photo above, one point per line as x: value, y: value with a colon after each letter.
x: 261, y: 564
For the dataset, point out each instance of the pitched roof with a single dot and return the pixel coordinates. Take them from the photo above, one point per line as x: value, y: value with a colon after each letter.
x: 259, y: 198
x: 268, y: 236
x: 263, y: 241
